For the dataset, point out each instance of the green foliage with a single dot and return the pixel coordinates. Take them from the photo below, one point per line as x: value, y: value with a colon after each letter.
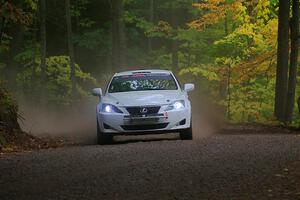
x: 96, y: 39
x: 3, y: 141
x: 227, y: 47
x: 8, y: 111
x: 58, y: 83
x: 227, y: 44
x: 17, y: 12
x: 139, y: 22
x: 244, y: 60
x: 6, y: 101
x: 78, y: 7
x: 202, y: 71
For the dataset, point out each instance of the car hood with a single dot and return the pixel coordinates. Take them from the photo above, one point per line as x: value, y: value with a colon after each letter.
x: 141, y: 98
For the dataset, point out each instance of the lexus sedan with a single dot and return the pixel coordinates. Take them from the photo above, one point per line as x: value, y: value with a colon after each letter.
x: 143, y: 102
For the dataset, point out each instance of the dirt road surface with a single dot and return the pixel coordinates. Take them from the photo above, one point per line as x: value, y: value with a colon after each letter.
x: 217, y: 167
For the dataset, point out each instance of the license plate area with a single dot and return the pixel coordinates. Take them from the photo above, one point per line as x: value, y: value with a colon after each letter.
x: 144, y: 119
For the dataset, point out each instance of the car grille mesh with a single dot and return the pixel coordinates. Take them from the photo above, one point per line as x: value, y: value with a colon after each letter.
x: 147, y: 110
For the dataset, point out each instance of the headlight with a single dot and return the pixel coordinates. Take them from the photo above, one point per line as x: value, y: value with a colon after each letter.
x: 176, y: 105
x: 108, y: 108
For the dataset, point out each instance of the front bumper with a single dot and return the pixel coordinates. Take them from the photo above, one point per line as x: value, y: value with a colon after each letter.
x: 166, y: 121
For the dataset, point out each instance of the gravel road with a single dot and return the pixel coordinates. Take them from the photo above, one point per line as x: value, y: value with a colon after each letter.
x: 216, y: 167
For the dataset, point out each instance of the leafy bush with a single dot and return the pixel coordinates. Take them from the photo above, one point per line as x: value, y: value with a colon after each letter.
x: 58, y: 84
x: 8, y: 110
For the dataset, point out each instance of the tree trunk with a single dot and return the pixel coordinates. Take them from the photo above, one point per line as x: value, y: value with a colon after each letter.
x: 226, y: 31
x: 76, y: 29
x: 174, y: 45
x: 43, y: 46
x: 151, y: 19
x: 16, y: 31
x: 122, y: 36
x: 228, y: 92
x: 70, y: 46
x: 175, y: 64
x: 294, y: 26
x: 115, y: 58
x: 118, y: 35
x: 282, y: 60
x: 2, y: 25
x: 225, y: 75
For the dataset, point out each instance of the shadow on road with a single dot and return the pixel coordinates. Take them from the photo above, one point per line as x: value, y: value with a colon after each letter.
x: 130, y: 139
x: 90, y: 137
x: 145, y: 138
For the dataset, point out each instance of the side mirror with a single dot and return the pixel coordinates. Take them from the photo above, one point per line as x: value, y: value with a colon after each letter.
x: 189, y: 87
x: 97, y: 92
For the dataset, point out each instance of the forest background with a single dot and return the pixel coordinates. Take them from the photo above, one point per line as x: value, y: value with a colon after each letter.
x: 52, y: 53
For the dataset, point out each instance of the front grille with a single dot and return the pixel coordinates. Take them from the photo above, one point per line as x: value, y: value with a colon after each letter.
x: 144, y: 127
x: 140, y: 110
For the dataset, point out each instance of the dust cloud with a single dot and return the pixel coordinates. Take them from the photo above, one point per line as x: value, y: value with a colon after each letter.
x: 75, y: 124
x: 208, y: 117
x: 78, y: 123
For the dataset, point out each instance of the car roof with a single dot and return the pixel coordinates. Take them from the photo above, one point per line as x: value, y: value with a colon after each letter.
x: 142, y: 71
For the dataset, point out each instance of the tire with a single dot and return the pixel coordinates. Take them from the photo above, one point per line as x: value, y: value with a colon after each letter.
x: 103, y: 138
x: 187, y: 134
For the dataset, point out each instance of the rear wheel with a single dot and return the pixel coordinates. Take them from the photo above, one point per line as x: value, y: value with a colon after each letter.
x: 103, y: 138
x: 187, y: 134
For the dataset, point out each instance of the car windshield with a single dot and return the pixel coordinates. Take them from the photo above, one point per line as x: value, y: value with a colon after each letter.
x: 142, y: 82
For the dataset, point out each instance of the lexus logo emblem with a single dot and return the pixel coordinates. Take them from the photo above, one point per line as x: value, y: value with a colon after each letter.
x: 143, y: 110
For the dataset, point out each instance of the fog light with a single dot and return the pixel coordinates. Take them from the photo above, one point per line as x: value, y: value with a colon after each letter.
x: 182, y: 122
x: 106, y: 126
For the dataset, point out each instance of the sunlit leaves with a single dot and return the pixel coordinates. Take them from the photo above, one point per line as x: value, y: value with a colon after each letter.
x: 58, y: 80
x: 32, y: 4
x: 204, y: 71
x: 162, y: 29
x: 215, y: 10
x: 245, y: 58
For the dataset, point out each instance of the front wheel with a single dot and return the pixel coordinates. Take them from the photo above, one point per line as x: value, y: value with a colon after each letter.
x: 103, y: 138
x: 187, y: 134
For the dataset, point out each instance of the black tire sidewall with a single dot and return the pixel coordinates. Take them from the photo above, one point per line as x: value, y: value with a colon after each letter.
x: 187, y: 134
x: 103, y: 138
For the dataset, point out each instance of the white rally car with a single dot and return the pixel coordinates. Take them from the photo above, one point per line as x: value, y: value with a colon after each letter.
x: 143, y: 102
